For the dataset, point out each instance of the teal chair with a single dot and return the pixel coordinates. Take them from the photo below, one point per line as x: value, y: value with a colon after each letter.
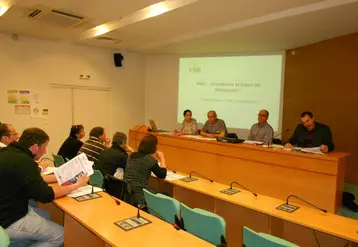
x: 96, y: 178
x: 58, y: 160
x: 203, y: 224
x: 4, y: 238
x: 164, y: 206
x: 255, y: 239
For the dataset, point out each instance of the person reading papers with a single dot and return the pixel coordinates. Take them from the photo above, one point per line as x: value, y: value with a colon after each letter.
x: 310, y: 133
x: 20, y: 181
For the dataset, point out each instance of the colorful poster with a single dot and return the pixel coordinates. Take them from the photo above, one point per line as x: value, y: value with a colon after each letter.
x: 22, y: 110
x: 12, y: 97
x: 24, y: 96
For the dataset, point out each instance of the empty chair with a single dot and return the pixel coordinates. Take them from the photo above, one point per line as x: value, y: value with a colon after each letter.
x: 58, y: 160
x: 254, y: 239
x: 203, y: 224
x: 162, y: 206
x: 117, y: 188
x: 96, y: 178
x: 4, y: 238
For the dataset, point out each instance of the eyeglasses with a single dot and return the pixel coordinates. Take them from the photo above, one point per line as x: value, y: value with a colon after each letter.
x: 261, y: 115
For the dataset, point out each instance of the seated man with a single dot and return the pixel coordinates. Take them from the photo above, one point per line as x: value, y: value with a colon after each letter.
x: 214, y: 127
x: 8, y: 135
x: 115, y: 157
x: 311, y: 134
x: 20, y: 181
x: 261, y: 131
x: 96, y: 143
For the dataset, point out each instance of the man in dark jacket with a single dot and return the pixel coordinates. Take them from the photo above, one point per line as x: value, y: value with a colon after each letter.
x: 115, y: 157
x: 311, y: 134
x: 20, y: 181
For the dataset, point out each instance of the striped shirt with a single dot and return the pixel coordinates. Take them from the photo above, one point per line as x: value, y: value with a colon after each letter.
x: 92, y: 148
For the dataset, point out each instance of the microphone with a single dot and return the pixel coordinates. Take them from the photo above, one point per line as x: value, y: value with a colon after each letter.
x: 282, y: 132
x: 199, y: 176
x: 171, y: 170
x: 299, y: 198
x: 96, y: 185
x: 142, y: 207
x: 234, y: 182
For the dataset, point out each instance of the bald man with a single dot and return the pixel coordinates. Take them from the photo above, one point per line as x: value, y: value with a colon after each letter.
x: 214, y: 127
x: 261, y: 131
x: 8, y: 135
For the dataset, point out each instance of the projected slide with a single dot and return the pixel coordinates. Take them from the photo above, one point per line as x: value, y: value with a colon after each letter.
x: 235, y: 87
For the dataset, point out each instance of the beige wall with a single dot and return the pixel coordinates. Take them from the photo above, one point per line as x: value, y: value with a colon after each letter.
x: 323, y: 78
x: 34, y: 63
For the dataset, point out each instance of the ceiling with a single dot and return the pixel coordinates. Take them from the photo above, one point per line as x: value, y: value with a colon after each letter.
x: 190, y: 27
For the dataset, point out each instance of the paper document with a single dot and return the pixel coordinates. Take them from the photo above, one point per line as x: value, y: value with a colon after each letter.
x: 199, y: 137
x: 49, y: 170
x: 315, y: 150
x: 253, y: 142
x: 171, y: 176
x: 84, y: 191
x: 69, y: 172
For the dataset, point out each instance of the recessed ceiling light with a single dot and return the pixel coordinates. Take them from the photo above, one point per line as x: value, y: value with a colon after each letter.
x: 102, y: 29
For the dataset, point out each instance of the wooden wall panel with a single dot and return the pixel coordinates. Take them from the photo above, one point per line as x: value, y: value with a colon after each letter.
x: 323, y: 78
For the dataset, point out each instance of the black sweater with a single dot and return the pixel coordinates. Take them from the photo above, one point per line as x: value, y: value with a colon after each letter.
x: 20, y: 181
x: 321, y: 135
x: 70, y: 148
x: 112, y: 158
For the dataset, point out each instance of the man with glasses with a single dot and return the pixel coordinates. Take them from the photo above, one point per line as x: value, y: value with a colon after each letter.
x: 261, y: 131
x: 310, y: 133
x: 8, y: 135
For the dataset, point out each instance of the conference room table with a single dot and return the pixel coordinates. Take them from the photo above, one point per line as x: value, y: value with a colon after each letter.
x: 92, y: 224
x: 273, y: 172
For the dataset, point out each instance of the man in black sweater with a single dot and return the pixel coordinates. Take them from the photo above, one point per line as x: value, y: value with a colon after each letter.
x: 311, y: 134
x: 115, y: 157
x: 20, y: 181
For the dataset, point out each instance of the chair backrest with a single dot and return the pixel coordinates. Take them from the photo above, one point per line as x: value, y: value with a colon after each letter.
x: 58, y: 160
x: 253, y: 239
x: 203, y: 224
x: 96, y: 178
x: 117, y: 188
x: 164, y: 206
x: 4, y: 238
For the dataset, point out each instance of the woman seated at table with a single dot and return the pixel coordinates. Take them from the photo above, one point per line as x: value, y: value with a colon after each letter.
x: 189, y: 126
x: 73, y: 143
x: 141, y: 164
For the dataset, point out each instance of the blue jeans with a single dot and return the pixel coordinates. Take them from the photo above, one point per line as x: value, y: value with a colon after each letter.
x: 35, y: 230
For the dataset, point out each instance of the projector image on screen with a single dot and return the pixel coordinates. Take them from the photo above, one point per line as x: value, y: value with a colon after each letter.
x: 236, y: 87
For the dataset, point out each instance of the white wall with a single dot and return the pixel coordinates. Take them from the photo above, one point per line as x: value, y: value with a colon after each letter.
x: 161, y: 90
x: 33, y: 64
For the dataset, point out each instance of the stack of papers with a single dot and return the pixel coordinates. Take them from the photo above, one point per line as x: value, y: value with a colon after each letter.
x: 315, y: 150
x: 69, y: 172
x: 49, y: 170
x: 253, y: 142
x: 85, y: 190
x: 199, y: 137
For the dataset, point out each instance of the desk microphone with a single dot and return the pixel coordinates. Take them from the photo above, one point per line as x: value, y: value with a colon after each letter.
x: 200, y: 176
x: 141, y: 207
x: 282, y: 132
x: 234, y: 182
x: 96, y: 185
x: 321, y: 209
x: 168, y: 168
